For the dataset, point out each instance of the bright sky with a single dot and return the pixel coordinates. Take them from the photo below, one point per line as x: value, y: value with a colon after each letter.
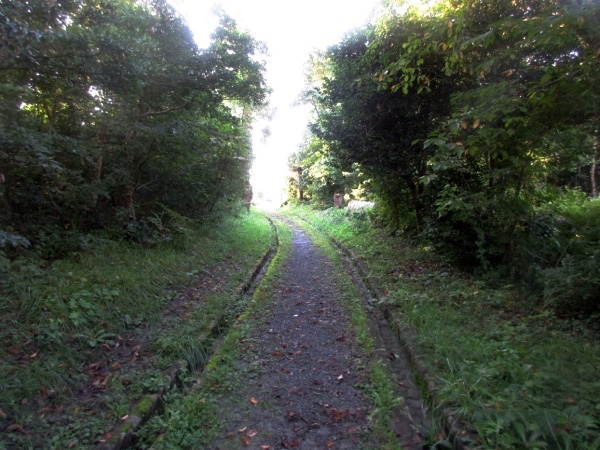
x: 291, y: 29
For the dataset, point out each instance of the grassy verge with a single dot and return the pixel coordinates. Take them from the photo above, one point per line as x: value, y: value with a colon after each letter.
x: 192, y: 418
x: 520, y: 379
x: 61, y: 322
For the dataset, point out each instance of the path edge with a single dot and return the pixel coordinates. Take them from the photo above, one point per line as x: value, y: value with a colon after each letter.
x: 122, y: 435
x: 406, y: 335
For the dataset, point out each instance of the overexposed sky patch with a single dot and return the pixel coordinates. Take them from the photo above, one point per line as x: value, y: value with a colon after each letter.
x: 291, y: 30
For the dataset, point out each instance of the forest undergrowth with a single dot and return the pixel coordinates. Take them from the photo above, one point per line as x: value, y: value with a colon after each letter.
x: 83, y: 337
x: 520, y: 376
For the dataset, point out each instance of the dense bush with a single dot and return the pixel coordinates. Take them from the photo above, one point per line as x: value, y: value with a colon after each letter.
x: 110, y: 113
x: 477, y: 123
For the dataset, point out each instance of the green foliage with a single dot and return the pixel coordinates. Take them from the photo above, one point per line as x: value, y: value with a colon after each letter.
x: 520, y: 378
x: 182, y: 417
x: 570, y: 279
x: 110, y: 112
x: 514, y: 122
x: 470, y: 120
x: 365, y: 122
x: 323, y: 174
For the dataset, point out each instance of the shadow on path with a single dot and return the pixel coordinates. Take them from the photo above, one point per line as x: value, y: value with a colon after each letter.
x: 302, y: 388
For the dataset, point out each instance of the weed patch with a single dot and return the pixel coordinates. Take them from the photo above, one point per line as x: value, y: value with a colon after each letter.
x: 81, y: 338
x: 520, y: 378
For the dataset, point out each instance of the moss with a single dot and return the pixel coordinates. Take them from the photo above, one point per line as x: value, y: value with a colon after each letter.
x: 145, y: 406
x: 125, y: 428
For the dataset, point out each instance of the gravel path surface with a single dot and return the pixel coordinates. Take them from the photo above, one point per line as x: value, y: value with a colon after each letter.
x: 303, y: 387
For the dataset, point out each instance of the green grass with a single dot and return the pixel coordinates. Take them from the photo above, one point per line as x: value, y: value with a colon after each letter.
x: 56, y: 317
x: 193, y: 417
x: 521, y: 379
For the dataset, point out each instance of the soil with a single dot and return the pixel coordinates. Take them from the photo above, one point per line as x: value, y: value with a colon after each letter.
x: 304, y: 373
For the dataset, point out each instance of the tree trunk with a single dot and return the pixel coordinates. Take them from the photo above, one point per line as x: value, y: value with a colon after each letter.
x: 416, y: 201
x: 128, y: 201
x: 5, y: 211
x: 594, y: 169
x: 594, y: 177
x: 97, y: 173
x: 300, y: 192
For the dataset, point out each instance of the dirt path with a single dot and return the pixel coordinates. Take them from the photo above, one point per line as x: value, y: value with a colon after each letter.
x: 304, y: 366
x: 303, y: 371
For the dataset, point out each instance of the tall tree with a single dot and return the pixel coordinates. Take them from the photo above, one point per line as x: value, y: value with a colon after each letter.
x: 109, y: 108
x: 529, y: 69
x: 373, y: 124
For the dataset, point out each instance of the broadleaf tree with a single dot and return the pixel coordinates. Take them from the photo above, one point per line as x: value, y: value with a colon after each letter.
x: 109, y: 113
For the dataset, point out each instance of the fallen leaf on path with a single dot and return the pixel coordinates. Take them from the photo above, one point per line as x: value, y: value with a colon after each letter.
x: 265, y: 447
x: 116, y: 366
x: 339, y: 415
x: 100, y: 381
x: 254, y: 401
x: 245, y: 440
